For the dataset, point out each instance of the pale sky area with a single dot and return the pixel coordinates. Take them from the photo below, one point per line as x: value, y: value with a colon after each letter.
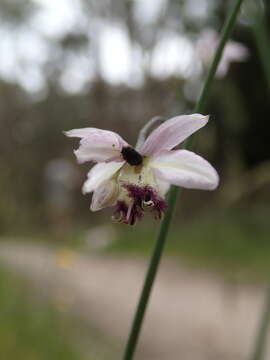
x: 26, y: 50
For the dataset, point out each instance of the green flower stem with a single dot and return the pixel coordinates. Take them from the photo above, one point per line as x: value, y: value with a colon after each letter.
x: 172, y: 196
x: 262, y: 39
x: 260, y: 340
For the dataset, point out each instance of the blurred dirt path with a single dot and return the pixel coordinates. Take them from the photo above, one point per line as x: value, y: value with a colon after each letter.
x: 192, y: 315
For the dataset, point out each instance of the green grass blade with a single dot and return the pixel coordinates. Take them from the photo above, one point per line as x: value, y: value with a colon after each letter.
x: 172, y: 197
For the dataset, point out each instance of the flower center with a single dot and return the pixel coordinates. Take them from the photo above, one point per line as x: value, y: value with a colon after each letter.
x: 138, y: 192
x: 131, y: 156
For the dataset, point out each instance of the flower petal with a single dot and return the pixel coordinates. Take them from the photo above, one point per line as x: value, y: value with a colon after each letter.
x: 99, y: 173
x: 233, y: 52
x: 104, y: 196
x: 97, y: 145
x: 172, y: 132
x: 99, y: 153
x: 186, y: 169
x: 163, y: 186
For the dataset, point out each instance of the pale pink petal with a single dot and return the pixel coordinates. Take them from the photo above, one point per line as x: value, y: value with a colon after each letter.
x: 88, y: 132
x: 233, y: 52
x: 97, y: 145
x: 185, y: 169
x: 163, y: 186
x: 99, y: 152
x: 222, y: 69
x: 80, y: 133
x: 99, y: 173
x: 172, y: 132
x: 104, y: 196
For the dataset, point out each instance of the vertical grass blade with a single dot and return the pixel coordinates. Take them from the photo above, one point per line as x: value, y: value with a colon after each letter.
x: 262, y: 39
x: 260, y: 340
x: 172, y: 196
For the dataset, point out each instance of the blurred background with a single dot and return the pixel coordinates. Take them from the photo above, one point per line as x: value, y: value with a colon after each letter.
x: 114, y: 65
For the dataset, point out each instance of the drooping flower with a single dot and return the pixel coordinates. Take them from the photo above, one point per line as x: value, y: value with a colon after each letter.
x: 135, y: 180
x: 233, y: 52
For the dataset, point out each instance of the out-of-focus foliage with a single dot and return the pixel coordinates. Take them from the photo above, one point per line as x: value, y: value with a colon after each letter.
x: 234, y: 244
x: 29, y: 329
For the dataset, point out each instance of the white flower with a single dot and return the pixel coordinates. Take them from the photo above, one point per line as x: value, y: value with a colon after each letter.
x: 135, y: 180
x: 233, y: 51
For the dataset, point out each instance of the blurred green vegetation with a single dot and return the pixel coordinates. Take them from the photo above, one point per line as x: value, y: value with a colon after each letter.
x: 35, y: 330
x: 234, y: 243
x: 30, y: 330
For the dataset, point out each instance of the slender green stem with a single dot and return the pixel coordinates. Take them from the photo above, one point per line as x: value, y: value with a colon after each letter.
x: 225, y: 34
x: 260, y: 341
x: 150, y: 276
x: 262, y: 39
x: 172, y: 197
